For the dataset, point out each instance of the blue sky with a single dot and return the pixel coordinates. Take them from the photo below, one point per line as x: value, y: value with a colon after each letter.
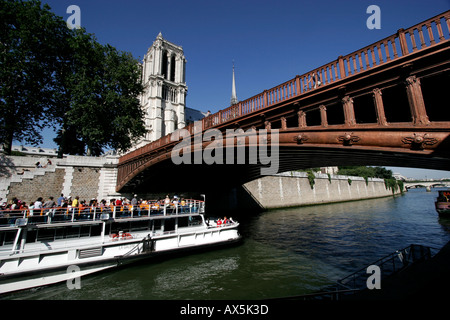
x: 270, y: 41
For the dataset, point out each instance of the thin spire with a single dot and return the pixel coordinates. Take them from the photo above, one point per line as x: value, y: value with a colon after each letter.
x: 234, y: 99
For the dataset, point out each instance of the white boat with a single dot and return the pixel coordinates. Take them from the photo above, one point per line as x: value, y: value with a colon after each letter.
x: 63, y: 244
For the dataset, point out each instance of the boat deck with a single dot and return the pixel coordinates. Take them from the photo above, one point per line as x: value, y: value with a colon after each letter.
x: 66, y: 244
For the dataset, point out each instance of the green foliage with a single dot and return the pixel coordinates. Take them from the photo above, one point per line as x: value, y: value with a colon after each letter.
x: 311, y: 178
x: 401, y: 185
x: 54, y: 76
x: 103, y: 89
x: 366, y: 172
x: 394, y: 184
x: 391, y: 184
x: 31, y: 46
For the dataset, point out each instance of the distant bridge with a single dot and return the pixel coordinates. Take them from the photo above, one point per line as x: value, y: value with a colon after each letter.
x: 385, y: 104
x: 426, y: 184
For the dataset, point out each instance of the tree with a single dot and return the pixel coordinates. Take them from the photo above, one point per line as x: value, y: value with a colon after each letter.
x: 102, y: 88
x: 366, y: 172
x: 31, y: 41
x: 51, y: 75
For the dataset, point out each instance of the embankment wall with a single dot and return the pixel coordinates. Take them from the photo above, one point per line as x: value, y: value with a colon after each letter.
x: 291, y: 189
x: 95, y: 177
x: 86, y: 177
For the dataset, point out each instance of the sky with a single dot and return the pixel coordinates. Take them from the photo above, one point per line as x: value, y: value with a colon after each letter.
x: 269, y: 41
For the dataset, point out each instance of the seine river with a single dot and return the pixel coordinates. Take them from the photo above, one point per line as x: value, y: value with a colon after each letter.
x: 285, y: 252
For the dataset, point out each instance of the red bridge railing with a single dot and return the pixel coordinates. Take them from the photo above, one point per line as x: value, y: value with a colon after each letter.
x: 403, y: 43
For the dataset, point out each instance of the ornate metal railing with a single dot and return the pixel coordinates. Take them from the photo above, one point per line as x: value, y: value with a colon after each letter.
x: 404, y: 42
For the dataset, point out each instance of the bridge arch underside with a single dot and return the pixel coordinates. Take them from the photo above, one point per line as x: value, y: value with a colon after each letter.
x: 165, y: 176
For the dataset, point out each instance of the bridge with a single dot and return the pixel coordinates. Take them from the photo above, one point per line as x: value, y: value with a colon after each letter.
x: 384, y: 104
x: 426, y: 184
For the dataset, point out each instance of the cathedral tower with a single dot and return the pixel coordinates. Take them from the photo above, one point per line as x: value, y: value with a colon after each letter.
x: 164, y: 96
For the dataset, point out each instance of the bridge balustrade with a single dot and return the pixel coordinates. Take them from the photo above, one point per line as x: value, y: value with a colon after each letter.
x: 401, y: 44
x: 398, y: 108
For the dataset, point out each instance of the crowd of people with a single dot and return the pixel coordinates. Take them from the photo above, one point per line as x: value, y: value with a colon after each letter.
x: 75, y: 202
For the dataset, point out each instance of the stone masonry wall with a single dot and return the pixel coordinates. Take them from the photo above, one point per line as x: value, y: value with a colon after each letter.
x: 85, y: 183
x: 49, y: 184
x: 294, y: 189
x: 86, y: 177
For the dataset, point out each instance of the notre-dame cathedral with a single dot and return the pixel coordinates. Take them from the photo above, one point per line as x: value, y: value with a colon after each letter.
x: 165, y: 89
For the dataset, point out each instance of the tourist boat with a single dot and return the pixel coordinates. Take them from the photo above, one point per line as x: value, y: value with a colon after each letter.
x: 443, y: 203
x: 63, y: 244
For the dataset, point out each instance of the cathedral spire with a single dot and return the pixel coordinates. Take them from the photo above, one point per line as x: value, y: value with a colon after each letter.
x: 234, y: 99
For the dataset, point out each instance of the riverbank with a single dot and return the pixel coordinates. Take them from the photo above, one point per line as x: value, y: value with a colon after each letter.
x: 292, y: 189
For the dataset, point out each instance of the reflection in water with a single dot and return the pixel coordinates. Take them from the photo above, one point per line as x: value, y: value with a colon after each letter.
x: 286, y: 252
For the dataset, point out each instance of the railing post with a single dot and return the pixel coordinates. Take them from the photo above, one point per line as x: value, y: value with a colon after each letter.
x: 341, y: 67
x: 402, y: 40
x: 297, y: 84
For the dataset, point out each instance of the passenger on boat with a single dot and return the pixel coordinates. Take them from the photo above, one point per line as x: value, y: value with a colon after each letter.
x: 167, y: 201
x: 38, y: 203
x: 76, y: 202
x: 49, y: 203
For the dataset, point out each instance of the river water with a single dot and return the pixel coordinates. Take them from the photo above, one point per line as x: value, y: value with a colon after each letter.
x: 285, y: 252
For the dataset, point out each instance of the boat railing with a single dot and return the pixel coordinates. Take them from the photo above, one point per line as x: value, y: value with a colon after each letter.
x: 388, y: 265
x: 11, y: 218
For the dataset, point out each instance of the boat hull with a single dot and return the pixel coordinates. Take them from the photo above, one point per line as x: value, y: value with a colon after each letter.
x: 443, y: 209
x: 113, y: 254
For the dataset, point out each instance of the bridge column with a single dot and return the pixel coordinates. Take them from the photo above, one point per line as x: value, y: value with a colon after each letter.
x: 416, y: 103
x: 283, y: 123
x: 379, y: 107
x: 301, y: 119
x: 349, y: 111
x: 323, y: 116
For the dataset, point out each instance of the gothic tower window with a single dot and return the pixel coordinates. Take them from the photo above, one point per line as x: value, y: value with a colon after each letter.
x: 164, y: 64
x: 172, y: 68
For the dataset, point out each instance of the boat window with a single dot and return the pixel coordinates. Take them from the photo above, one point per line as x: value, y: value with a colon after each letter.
x: 156, y: 225
x: 73, y: 232
x: 169, y: 225
x: 139, y: 225
x: 45, y: 234
x: 7, y: 237
x: 183, y: 222
x: 195, y: 220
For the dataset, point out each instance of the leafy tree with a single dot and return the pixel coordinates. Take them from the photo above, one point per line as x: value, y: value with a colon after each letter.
x: 102, y: 88
x: 366, y: 172
x: 51, y: 75
x: 31, y: 41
